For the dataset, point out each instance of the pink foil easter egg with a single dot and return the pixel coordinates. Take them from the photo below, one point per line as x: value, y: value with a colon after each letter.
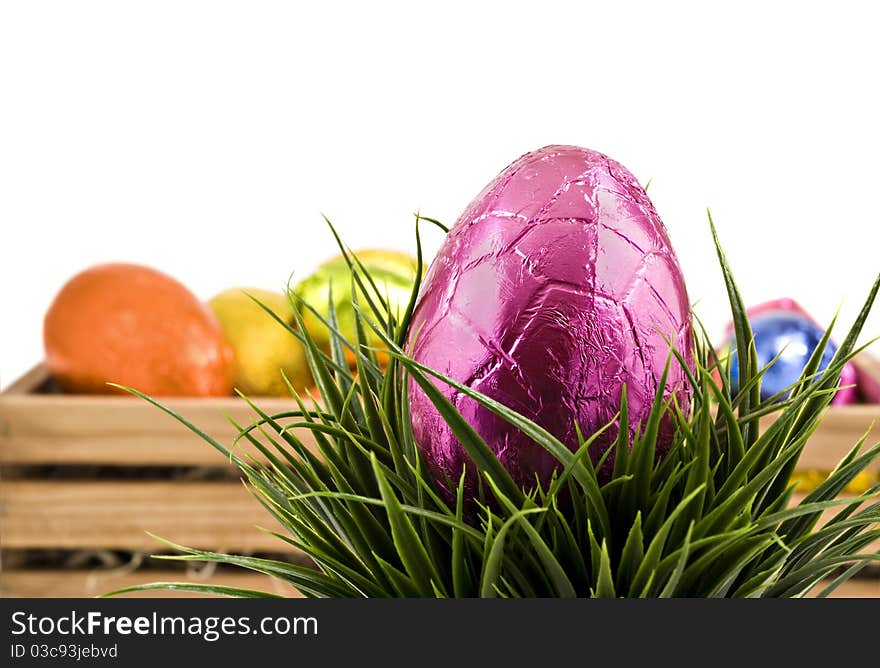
x: 555, y: 287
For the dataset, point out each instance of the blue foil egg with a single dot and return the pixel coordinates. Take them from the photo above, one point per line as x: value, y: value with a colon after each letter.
x: 792, y: 338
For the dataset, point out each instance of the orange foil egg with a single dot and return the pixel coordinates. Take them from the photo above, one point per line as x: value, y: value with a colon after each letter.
x: 135, y: 326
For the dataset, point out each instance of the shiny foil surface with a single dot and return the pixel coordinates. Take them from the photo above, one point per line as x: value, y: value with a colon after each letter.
x: 784, y: 331
x: 555, y: 287
x: 133, y: 325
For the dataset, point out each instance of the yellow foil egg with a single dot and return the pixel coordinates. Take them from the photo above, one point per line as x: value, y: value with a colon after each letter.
x: 262, y: 347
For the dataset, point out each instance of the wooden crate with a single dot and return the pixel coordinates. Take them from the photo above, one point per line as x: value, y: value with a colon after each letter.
x: 86, y: 513
x: 71, y: 509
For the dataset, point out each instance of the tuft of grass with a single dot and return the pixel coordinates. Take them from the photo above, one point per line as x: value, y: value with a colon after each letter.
x: 713, y: 518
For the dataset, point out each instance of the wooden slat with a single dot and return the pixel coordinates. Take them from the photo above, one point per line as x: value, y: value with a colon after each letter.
x: 830, y: 513
x: 125, y: 431
x: 855, y: 588
x: 840, y: 429
x: 108, y: 515
x: 117, y: 515
x: 29, y: 382
x: 121, y: 430
x: 76, y: 583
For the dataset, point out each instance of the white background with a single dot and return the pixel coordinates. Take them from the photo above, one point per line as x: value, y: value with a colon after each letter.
x: 205, y: 139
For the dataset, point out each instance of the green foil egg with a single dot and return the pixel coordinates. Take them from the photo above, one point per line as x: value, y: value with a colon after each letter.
x: 393, y: 272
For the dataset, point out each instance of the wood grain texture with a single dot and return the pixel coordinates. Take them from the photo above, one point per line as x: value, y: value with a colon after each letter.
x: 116, y: 515
x: 63, y: 583
x: 120, y: 430
x: 840, y: 429
x: 855, y: 588
x: 126, y: 431
x: 29, y: 382
x: 88, y: 583
x: 830, y: 513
